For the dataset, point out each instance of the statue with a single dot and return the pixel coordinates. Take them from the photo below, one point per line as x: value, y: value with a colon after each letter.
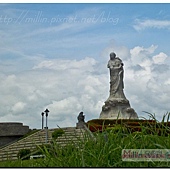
x: 81, y: 123
x: 117, y: 106
x: 116, y: 77
x: 80, y: 117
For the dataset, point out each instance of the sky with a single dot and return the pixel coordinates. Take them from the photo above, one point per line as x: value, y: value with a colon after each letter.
x: 55, y: 56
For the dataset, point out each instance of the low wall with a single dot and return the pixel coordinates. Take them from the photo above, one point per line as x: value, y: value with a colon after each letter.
x: 11, y: 131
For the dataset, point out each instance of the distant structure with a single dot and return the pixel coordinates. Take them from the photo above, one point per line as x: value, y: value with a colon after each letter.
x: 117, y: 106
x: 11, y: 131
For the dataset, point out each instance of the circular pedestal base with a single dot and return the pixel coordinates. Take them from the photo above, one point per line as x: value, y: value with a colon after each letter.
x: 118, y: 109
x: 132, y: 125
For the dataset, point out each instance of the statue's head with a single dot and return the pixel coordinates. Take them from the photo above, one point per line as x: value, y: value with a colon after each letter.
x: 112, y: 55
x: 81, y: 113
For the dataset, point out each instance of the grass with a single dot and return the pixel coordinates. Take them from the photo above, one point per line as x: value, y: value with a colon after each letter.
x: 104, y: 151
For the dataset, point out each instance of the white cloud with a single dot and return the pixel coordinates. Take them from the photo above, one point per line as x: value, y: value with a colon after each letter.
x: 167, y: 82
x: 151, y: 23
x: 146, y: 85
x: 160, y: 58
x: 18, y: 107
x: 67, y: 87
x: 141, y: 55
x: 64, y: 86
x: 58, y: 64
x: 44, y: 64
x: 63, y: 109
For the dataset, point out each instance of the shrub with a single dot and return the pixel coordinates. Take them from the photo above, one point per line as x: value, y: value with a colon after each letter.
x: 57, y: 133
x: 23, y: 154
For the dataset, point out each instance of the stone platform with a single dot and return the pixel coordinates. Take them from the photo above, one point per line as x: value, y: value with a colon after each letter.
x: 117, y: 109
x: 132, y: 125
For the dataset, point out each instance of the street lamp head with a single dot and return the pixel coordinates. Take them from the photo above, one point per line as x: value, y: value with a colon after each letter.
x: 42, y: 114
x: 46, y: 111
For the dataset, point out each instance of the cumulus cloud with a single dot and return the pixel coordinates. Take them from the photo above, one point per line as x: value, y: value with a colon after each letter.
x: 140, y: 55
x: 160, y: 58
x: 150, y: 80
x: 67, y: 87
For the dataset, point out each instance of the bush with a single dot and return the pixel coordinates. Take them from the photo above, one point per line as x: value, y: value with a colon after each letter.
x: 23, y: 154
x: 57, y: 133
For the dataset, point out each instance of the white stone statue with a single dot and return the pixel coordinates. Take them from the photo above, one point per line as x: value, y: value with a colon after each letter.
x: 116, y: 77
x: 117, y: 106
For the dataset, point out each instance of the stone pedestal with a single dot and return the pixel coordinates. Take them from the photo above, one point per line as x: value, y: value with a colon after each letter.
x: 117, y: 109
x: 80, y: 125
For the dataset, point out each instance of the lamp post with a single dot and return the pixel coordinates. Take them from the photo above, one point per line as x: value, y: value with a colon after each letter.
x: 42, y: 114
x: 46, y: 114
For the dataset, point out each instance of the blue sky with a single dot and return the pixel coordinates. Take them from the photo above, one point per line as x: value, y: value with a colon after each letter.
x: 55, y: 56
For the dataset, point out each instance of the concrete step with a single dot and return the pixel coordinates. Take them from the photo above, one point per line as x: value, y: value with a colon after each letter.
x: 71, y: 136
